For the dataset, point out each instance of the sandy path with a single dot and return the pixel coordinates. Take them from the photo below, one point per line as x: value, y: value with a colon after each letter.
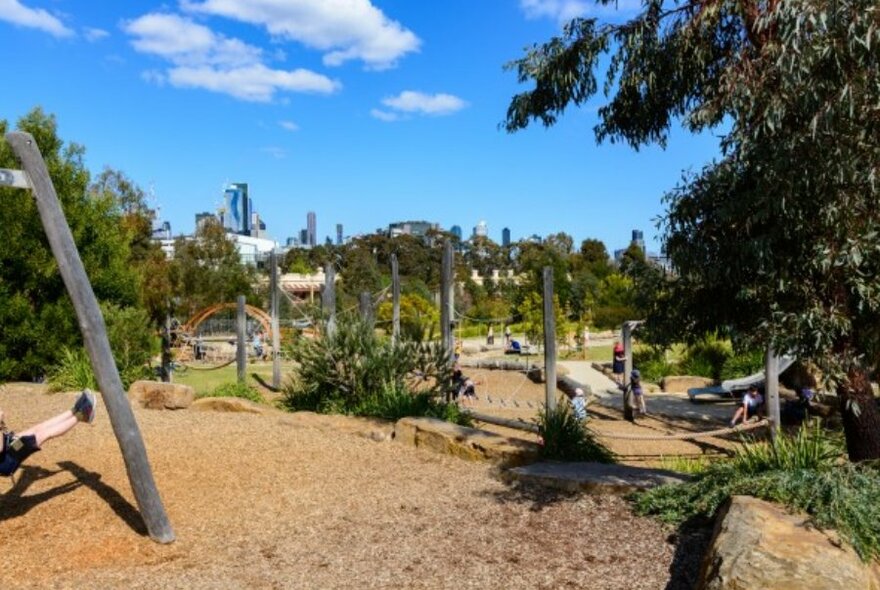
x: 257, y: 503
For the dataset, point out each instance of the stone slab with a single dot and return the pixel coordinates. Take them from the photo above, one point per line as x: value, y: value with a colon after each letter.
x: 592, y: 478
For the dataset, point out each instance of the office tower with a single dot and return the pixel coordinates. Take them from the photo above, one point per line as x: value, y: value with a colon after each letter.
x: 638, y: 238
x: 338, y: 234
x: 238, y: 208
x: 505, y: 237
x: 303, y: 237
x: 203, y: 218
x: 456, y: 231
x: 312, y: 227
x: 481, y: 230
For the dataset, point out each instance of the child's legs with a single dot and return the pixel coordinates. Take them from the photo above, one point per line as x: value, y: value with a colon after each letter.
x: 738, y: 414
x: 51, y: 428
x: 640, y: 398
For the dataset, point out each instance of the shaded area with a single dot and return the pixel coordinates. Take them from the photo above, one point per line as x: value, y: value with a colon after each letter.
x: 122, y: 507
x: 14, y: 503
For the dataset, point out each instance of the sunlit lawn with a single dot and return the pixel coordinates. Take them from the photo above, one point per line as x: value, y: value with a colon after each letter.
x: 204, y: 382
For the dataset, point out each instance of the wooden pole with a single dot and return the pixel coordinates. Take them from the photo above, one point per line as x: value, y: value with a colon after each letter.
x: 166, y: 350
x: 395, y: 300
x: 94, y: 332
x: 366, y: 307
x: 241, y: 339
x: 328, y: 300
x: 771, y: 389
x: 446, y: 303
x: 549, y: 342
x: 276, y: 335
x: 627, y: 368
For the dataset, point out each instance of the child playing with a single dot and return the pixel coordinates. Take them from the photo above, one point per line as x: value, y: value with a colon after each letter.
x: 751, y: 406
x: 15, y: 448
x: 638, y: 394
x: 578, y: 404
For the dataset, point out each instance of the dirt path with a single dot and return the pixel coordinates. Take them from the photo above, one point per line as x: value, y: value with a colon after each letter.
x: 259, y: 503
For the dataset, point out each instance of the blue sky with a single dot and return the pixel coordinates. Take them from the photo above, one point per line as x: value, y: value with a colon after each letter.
x: 364, y: 111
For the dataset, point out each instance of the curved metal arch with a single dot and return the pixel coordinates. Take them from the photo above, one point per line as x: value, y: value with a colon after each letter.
x: 261, y: 316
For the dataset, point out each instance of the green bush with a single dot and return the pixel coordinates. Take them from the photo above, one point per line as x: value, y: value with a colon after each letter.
x: 804, y: 472
x: 236, y: 389
x: 652, y: 364
x: 394, y: 404
x: 742, y: 364
x: 707, y: 357
x: 565, y: 438
x: 74, y: 371
x: 356, y: 372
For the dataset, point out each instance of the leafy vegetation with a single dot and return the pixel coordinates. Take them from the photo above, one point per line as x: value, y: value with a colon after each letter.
x: 354, y: 371
x: 236, y: 389
x: 73, y: 371
x: 565, y: 438
x: 804, y: 471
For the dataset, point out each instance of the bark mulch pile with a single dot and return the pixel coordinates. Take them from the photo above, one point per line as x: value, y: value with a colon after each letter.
x: 260, y: 503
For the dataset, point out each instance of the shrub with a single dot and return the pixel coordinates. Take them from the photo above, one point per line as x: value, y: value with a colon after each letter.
x: 565, y: 438
x: 742, y: 364
x: 236, y: 389
x: 707, y: 357
x: 803, y: 472
x: 394, y: 404
x: 356, y: 372
x: 652, y: 364
x: 74, y: 371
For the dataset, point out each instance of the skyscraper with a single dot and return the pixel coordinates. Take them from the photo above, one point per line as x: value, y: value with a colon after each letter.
x: 238, y: 208
x: 638, y: 238
x: 505, y: 236
x: 303, y: 237
x: 312, y: 227
x: 456, y: 231
x: 338, y: 234
x: 481, y: 230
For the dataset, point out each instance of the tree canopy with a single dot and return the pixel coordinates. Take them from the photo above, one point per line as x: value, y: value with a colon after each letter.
x: 776, y: 240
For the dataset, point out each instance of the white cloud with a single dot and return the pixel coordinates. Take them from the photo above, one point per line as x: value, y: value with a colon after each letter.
x: 200, y: 58
x: 564, y: 10
x: 344, y: 29
x: 289, y: 125
x: 384, y: 115
x: 17, y: 13
x: 410, y: 101
x: 92, y: 34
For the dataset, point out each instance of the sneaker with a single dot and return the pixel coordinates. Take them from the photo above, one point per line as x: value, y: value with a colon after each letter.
x: 84, y: 408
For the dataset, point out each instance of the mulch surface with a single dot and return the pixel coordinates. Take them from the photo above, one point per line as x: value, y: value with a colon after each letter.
x: 258, y: 502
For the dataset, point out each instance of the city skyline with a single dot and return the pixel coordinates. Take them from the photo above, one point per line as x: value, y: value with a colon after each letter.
x: 388, y: 114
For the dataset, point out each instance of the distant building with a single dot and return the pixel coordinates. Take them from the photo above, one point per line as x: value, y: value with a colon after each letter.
x: 535, y: 238
x: 163, y: 231
x: 304, y: 237
x: 238, y: 208
x: 456, y: 231
x: 505, y: 237
x: 638, y: 238
x: 258, y: 226
x: 312, y: 228
x: 419, y: 229
x: 203, y: 218
x: 338, y: 234
x: 481, y: 230
x: 292, y: 242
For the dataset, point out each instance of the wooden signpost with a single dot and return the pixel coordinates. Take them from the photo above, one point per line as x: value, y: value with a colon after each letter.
x: 91, y: 322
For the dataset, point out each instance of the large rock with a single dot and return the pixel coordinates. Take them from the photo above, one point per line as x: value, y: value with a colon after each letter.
x: 681, y: 383
x: 229, y: 404
x: 758, y: 545
x: 155, y: 395
x: 464, y: 442
x: 592, y: 478
x: 372, y: 428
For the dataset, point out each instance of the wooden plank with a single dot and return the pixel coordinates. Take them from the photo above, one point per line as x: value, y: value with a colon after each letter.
x: 14, y: 178
x: 276, y: 335
x: 549, y: 342
x: 366, y: 307
x: 517, y: 424
x: 241, y: 339
x: 94, y: 331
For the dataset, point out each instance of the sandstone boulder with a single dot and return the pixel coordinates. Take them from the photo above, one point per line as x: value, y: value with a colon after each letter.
x: 229, y: 404
x: 155, y: 395
x: 758, y: 545
x: 681, y: 383
x: 464, y: 442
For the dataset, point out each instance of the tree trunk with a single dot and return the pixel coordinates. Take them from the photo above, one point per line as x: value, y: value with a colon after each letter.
x: 861, y: 418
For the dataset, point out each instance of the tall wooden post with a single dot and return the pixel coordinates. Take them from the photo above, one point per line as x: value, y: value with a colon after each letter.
x: 366, y: 307
x: 549, y: 342
x: 276, y: 335
x: 241, y: 340
x: 446, y: 301
x: 627, y: 368
x: 94, y: 331
x: 395, y: 300
x: 771, y: 389
x: 166, y: 350
x: 328, y: 300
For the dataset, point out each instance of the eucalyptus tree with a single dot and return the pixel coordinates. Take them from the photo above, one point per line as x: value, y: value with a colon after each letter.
x: 776, y: 241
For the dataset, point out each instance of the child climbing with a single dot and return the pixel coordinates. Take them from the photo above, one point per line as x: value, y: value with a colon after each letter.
x: 15, y: 448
